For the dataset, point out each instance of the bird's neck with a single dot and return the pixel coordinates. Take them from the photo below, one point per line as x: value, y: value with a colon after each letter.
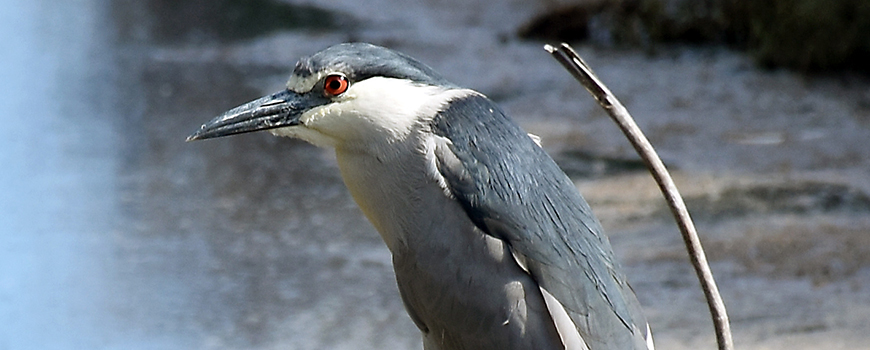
x: 392, y: 190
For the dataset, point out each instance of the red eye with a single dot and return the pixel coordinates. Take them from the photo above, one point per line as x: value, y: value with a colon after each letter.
x: 335, y: 85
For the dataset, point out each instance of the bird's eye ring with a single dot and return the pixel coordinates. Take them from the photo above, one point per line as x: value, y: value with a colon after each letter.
x: 335, y: 84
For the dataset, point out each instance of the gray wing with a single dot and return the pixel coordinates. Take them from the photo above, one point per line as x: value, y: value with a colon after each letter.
x: 511, y: 189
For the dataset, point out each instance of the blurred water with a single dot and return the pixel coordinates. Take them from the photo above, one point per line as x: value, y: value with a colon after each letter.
x: 59, y: 188
x: 114, y: 233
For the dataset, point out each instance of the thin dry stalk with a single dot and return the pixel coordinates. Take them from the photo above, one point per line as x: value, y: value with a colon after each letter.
x: 584, y: 74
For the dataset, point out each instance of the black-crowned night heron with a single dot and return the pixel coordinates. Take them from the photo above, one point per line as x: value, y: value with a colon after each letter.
x: 492, y: 244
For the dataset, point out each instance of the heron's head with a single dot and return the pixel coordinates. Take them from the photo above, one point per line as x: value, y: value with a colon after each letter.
x: 343, y: 96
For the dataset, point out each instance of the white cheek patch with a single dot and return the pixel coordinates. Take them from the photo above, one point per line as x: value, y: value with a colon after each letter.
x: 312, y: 116
x: 305, y: 134
x: 380, y: 110
x: 391, y: 105
x: 311, y: 127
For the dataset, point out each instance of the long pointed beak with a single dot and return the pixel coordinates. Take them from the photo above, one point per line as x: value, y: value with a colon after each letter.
x: 274, y: 111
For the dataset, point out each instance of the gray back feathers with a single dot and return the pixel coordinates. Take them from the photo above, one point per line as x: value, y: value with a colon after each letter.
x: 513, y: 190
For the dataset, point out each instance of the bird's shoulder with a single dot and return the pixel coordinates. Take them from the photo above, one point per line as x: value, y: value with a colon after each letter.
x: 500, y: 173
x: 513, y: 190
